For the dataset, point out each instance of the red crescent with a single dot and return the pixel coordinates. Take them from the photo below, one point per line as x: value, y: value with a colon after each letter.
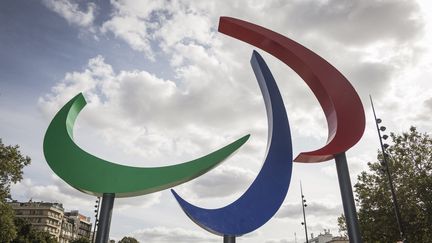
x: 341, y: 104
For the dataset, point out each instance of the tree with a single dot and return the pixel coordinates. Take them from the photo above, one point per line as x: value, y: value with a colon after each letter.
x: 11, y: 164
x: 128, y: 240
x: 410, y: 164
x: 81, y: 240
x: 341, y: 221
x: 26, y: 234
x: 7, y: 226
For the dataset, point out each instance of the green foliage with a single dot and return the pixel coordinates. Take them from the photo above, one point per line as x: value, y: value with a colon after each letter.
x: 42, y: 237
x: 11, y: 164
x: 81, y: 240
x: 341, y: 221
x: 7, y: 226
x: 15, y: 230
x: 128, y: 240
x: 410, y: 165
x: 26, y: 234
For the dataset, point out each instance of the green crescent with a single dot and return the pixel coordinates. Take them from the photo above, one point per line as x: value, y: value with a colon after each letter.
x: 96, y: 176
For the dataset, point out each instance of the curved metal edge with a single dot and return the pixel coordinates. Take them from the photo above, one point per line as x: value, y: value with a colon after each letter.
x: 56, y: 145
x: 341, y: 104
x: 267, y: 192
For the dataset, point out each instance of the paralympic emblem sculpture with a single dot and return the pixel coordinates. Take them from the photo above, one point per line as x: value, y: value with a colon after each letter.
x: 345, y: 119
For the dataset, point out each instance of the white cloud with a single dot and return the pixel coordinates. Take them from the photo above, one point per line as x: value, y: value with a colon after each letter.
x: 71, y: 12
x: 134, y: 23
x: 351, y: 22
x: 132, y: 30
x: 279, y: 241
x: 316, y: 209
x: 137, y: 203
x: 163, y: 234
x: 149, y: 24
x: 184, y: 24
x: 88, y: 81
x: 221, y: 182
x: 71, y: 198
x: 58, y: 191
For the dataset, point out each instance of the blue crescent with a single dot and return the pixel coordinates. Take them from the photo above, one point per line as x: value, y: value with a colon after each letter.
x: 267, y: 192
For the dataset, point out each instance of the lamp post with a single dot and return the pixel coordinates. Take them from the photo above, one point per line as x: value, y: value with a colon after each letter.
x: 304, y: 214
x: 96, y: 218
x: 385, y: 164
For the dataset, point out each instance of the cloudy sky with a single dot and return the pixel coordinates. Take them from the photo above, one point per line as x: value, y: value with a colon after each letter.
x: 163, y: 86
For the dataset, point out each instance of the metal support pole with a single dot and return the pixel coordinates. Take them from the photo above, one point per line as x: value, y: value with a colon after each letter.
x: 102, y: 235
x: 347, y: 198
x: 229, y: 239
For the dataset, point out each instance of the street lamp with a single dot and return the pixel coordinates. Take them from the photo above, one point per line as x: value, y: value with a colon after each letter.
x: 386, y: 170
x: 96, y: 217
x: 304, y: 214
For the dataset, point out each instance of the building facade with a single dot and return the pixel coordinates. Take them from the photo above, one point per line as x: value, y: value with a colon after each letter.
x: 327, y: 237
x: 82, y: 224
x: 43, y: 216
x: 68, y: 231
x: 339, y: 239
x: 51, y: 218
